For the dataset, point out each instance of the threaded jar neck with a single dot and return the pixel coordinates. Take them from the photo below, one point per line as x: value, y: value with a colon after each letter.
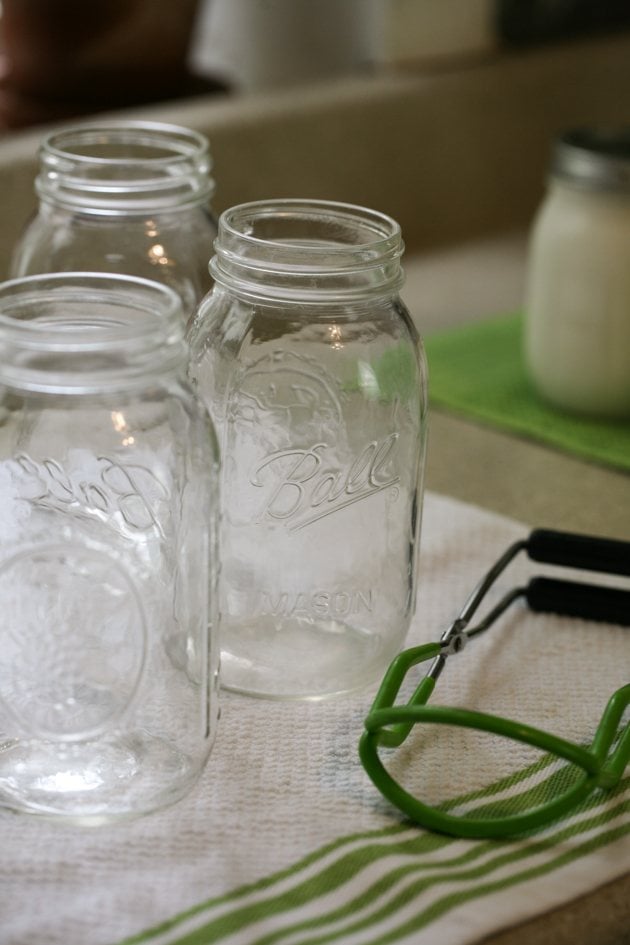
x: 307, y: 250
x: 126, y: 167
x: 87, y: 333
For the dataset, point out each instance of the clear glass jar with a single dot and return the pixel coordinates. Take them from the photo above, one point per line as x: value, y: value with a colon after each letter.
x: 316, y: 379
x: 108, y: 472
x: 577, y: 326
x: 129, y: 197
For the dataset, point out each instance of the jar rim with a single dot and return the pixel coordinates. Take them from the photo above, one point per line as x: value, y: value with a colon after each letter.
x: 137, y: 320
x: 380, y: 223
x: 297, y: 249
x: 174, y: 170
x: 184, y: 141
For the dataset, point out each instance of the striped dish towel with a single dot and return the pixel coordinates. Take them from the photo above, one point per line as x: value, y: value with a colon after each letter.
x: 285, y: 840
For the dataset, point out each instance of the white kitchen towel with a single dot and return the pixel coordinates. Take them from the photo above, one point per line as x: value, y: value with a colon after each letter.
x: 285, y: 840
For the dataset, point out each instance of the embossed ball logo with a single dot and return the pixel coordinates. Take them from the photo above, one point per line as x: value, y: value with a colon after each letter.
x: 286, y: 398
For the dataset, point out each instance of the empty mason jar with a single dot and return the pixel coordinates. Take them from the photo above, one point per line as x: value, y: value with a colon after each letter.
x: 108, y: 470
x: 129, y: 197
x: 316, y: 378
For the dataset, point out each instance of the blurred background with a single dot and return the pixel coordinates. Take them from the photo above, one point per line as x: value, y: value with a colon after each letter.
x: 63, y: 58
x: 441, y: 113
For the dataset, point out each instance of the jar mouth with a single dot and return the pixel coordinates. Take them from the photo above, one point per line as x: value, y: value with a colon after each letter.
x: 87, y: 332
x: 275, y: 247
x: 132, y: 165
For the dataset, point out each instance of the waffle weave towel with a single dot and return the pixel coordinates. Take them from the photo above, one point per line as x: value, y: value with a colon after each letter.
x: 285, y: 840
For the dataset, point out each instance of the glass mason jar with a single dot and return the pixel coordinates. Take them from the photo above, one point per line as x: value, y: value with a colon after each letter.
x: 316, y: 379
x: 577, y: 326
x: 129, y: 197
x: 108, y: 471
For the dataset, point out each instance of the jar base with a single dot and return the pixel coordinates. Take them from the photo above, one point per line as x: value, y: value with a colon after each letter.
x: 300, y: 659
x: 93, y: 783
x: 592, y: 403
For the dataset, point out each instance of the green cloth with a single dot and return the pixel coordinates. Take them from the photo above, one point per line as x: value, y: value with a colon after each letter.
x: 478, y: 370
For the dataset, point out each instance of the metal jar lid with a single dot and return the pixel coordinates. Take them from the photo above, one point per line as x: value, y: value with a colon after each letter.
x: 594, y: 159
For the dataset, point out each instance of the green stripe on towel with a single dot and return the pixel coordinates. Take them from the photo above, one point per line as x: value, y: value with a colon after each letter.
x: 389, y: 883
x: 478, y: 371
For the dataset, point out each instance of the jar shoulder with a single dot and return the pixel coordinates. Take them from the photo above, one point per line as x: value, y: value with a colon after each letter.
x: 263, y: 361
x: 223, y: 321
x: 54, y: 229
x: 169, y: 248
x: 169, y: 415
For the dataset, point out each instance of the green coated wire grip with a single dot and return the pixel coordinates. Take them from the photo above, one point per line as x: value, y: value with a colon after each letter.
x: 600, y: 766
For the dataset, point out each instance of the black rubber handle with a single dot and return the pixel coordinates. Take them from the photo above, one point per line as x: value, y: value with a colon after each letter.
x: 579, y: 551
x: 589, y: 601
